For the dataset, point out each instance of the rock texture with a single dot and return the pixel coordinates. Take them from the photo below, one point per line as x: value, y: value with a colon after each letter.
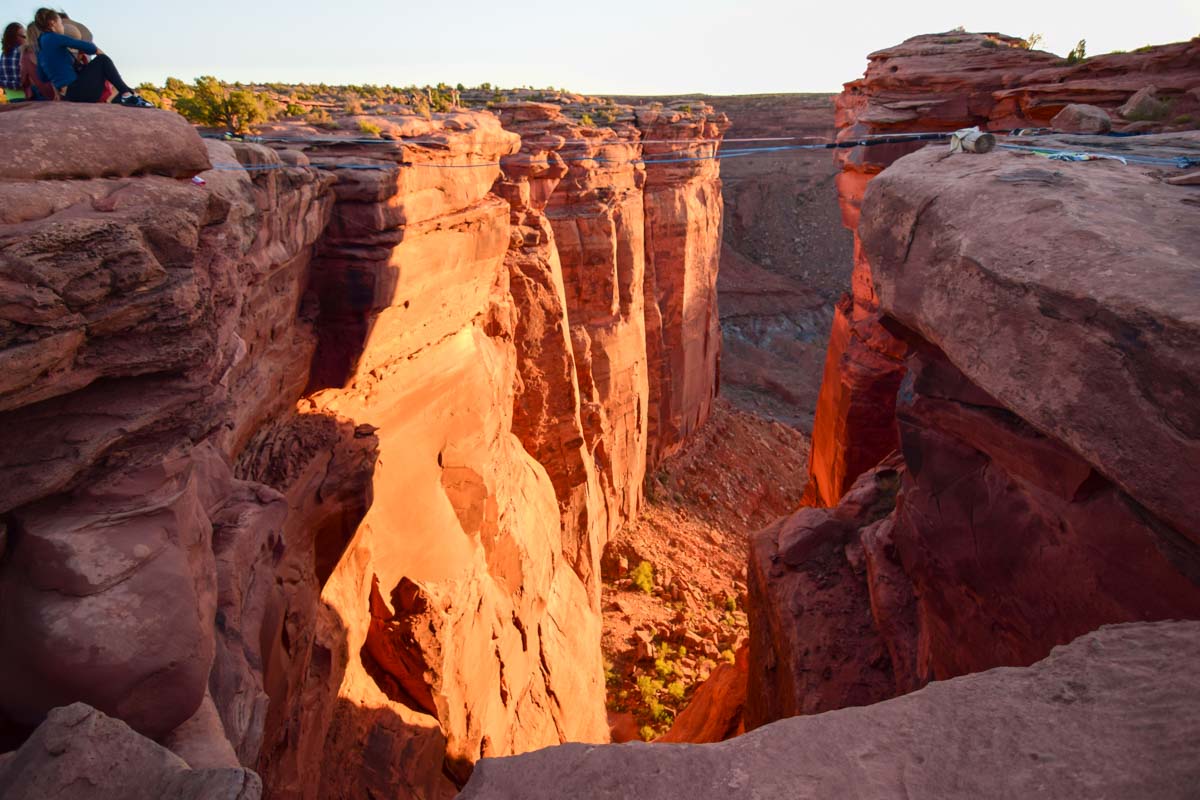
x: 819, y: 581
x: 1114, y: 711
x: 319, y: 456
x: 55, y: 146
x: 135, y: 310
x: 683, y: 237
x: 80, y: 754
x: 451, y: 608
x: 784, y: 255
x: 942, y: 82
x: 1048, y: 449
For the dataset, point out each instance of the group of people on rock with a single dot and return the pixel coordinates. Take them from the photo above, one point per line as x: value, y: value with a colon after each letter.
x: 53, y: 58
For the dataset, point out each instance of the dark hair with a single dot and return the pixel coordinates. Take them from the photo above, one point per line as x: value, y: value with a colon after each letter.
x: 44, y: 17
x: 10, y: 36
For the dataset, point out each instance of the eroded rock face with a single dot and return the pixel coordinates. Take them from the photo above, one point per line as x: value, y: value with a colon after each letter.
x: 683, y: 237
x: 453, y: 608
x: 336, y: 516
x: 942, y: 82
x: 998, y: 734
x: 1048, y: 452
x: 548, y: 410
x: 819, y: 595
x: 1068, y: 434
x: 135, y: 308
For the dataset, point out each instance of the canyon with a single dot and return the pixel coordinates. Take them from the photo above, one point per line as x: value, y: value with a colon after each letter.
x: 340, y: 518
x: 322, y: 450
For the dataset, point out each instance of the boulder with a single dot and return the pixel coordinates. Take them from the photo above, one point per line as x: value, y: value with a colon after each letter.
x: 75, y: 140
x: 1082, y: 118
x: 79, y: 753
x: 1144, y: 105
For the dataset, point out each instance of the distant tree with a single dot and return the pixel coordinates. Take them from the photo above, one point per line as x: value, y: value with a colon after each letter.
x: 212, y: 103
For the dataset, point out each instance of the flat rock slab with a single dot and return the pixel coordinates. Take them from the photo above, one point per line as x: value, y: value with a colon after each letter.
x: 1114, y: 714
x: 82, y: 140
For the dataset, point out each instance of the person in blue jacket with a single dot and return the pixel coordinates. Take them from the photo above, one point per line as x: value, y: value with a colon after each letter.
x: 56, y: 65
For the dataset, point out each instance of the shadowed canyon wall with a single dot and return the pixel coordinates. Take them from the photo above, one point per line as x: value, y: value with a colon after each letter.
x: 942, y: 82
x: 369, y: 410
x: 1002, y: 445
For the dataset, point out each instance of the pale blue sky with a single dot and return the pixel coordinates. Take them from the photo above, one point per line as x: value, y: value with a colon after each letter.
x: 616, y: 46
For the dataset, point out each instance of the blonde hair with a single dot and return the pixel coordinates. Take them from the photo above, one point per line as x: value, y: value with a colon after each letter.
x: 32, y: 34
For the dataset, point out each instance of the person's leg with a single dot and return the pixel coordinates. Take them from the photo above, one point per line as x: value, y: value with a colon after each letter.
x: 89, y: 84
x: 111, y: 75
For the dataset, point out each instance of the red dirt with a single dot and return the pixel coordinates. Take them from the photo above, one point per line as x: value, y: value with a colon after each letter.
x: 738, y: 473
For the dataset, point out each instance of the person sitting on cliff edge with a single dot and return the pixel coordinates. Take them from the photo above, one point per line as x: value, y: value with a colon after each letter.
x: 56, y: 64
x: 10, y: 62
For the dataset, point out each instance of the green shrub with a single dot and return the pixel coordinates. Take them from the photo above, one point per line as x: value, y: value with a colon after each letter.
x: 1032, y: 41
x: 369, y: 128
x: 1078, y: 52
x: 677, y: 690
x: 587, y: 120
x: 643, y: 576
x: 729, y: 656
x: 663, y: 667
x: 646, y: 732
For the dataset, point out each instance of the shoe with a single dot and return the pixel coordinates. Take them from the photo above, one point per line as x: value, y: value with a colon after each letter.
x: 133, y: 101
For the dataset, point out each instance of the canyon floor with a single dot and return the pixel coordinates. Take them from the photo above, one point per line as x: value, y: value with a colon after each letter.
x: 675, y: 579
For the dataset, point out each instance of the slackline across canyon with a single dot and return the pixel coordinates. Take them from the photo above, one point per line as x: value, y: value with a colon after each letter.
x: 1062, y: 154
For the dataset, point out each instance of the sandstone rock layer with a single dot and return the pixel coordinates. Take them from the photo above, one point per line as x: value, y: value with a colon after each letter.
x: 942, y: 82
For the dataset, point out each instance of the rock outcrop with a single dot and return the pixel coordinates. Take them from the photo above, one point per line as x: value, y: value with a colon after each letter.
x: 147, y: 324
x: 80, y: 754
x: 815, y: 580
x: 1047, y: 482
x: 319, y: 452
x: 683, y: 237
x: 942, y: 82
x: 1089, y: 715
x: 454, y: 609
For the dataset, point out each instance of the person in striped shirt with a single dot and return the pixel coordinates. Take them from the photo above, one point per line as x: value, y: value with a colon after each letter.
x: 10, y: 62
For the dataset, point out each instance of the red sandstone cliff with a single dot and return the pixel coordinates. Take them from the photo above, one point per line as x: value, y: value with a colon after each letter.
x: 354, y: 485
x: 942, y: 82
x: 149, y: 325
x: 1047, y: 450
